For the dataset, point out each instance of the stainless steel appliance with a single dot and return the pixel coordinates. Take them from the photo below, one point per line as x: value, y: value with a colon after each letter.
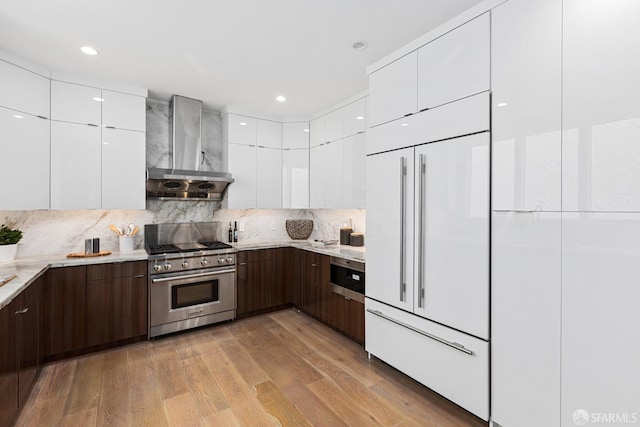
x: 192, y: 277
x: 347, y: 278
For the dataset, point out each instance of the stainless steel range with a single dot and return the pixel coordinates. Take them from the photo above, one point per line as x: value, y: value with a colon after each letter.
x: 192, y: 277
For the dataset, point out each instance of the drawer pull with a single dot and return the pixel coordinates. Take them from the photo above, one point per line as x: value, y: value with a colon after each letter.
x: 139, y: 276
x: 451, y: 344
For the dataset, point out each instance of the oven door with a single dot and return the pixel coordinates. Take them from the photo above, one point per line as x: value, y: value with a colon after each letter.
x: 173, y: 298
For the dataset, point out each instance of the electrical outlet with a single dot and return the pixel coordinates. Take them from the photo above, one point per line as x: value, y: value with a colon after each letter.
x: 241, y: 226
x: 273, y: 226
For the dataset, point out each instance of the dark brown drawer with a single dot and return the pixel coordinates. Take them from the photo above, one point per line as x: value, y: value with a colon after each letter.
x: 254, y: 255
x: 116, y: 270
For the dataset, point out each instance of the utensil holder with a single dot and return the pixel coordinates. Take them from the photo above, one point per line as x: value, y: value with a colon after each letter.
x: 126, y: 243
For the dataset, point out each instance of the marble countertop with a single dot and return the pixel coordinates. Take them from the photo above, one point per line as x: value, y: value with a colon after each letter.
x: 28, y: 270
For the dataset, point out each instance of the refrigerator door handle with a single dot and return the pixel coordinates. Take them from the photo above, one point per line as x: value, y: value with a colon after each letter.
x: 422, y: 161
x: 403, y: 197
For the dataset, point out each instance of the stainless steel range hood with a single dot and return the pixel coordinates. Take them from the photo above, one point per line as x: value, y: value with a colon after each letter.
x: 186, y: 180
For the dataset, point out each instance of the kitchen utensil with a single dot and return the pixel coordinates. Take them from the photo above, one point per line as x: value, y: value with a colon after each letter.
x: 7, y: 279
x: 130, y: 230
x: 135, y: 231
x: 83, y: 255
x: 126, y: 243
x: 115, y: 229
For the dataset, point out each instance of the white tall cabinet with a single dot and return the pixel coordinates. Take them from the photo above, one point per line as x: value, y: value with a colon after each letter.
x: 24, y: 124
x: 295, y: 165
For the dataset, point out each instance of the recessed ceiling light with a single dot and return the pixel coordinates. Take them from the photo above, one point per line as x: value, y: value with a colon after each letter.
x: 105, y: 142
x: 17, y: 116
x: 306, y: 130
x: 243, y: 124
x: 360, y: 45
x: 95, y: 98
x: 502, y: 104
x: 359, y: 118
x: 89, y: 50
x: 404, y: 124
x: 280, y: 98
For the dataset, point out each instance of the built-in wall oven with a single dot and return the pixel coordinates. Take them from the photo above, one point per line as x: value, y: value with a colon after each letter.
x: 192, y: 279
x: 347, y: 278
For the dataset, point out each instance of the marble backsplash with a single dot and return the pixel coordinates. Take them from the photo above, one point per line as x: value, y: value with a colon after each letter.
x: 62, y: 232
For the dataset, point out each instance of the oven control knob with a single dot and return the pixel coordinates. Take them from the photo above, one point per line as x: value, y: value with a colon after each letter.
x: 229, y: 260
x: 167, y: 266
x: 204, y: 262
x: 221, y: 260
x: 157, y: 267
x: 185, y: 264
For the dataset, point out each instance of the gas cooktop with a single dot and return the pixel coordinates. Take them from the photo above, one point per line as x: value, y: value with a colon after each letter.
x: 186, y: 247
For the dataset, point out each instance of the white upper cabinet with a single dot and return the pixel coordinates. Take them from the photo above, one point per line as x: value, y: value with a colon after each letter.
x: 76, y: 180
x: 123, y: 111
x: 269, y: 178
x: 123, y: 153
x: 317, y: 176
x: 243, y: 165
x: 23, y: 90
x: 354, y: 160
x: 393, y: 90
x: 268, y: 134
x: 318, y: 132
x: 76, y: 103
x: 295, y: 178
x: 24, y: 150
x: 601, y: 114
x: 241, y: 129
x: 354, y: 117
x: 334, y: 125
x: 455, y: 65
x: 526, y: 78
x: 333, y: 175
x: 295, y: 135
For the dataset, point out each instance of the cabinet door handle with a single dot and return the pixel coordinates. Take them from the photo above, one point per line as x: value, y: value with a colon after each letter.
x: 313, y: 265
x: 243, y: 263
x: 403, y: 197
x: 422, y: 162
x: 139, y: 276
x: 451, y: 344
x: 23, y: 311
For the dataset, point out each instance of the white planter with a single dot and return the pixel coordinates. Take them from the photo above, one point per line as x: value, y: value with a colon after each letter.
x: 8, y: 252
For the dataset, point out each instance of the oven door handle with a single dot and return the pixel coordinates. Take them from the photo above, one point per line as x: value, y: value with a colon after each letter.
x: 191, y: 276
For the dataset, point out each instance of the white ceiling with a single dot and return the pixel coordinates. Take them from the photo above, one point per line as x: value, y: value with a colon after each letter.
x: 239, y: 53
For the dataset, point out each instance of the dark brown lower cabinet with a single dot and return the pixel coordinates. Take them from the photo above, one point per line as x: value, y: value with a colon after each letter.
x: 254, y: 280
x: 312, y: 279
x: 63, y: 320
x: 350, y: 318
x: 116, y: 302
x: 8, y: 364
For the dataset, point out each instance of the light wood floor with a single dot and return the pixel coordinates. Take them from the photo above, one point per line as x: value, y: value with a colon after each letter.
x: 282, y: 368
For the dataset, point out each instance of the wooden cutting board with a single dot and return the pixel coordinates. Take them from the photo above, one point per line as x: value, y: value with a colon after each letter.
x: 83, y: 255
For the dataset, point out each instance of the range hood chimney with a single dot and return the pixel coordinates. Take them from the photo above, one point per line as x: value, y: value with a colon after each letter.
x: 185, y: 180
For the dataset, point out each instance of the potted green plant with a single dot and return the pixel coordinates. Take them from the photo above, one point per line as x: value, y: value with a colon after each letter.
x: 9, y: 239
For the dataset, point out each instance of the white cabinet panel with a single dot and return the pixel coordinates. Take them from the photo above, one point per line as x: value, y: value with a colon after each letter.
x: 393, y: 90
x: 452, y: 229
x: 123, y: 111
x: 269, y: 178
x: 75, y: 166
x: 24, y: 150
x: 389, y: 202
x: 241, y: 130
x: 334, y: 125
x: 601, y: 115
x: 317, y: 176
x: 269, y: 134
x: 243, y: 164
x: 295, y: 179
x: 526, y: 77
x: 295, y: 135
x: 76, y: 103
x: 600, y: 315
x: 23, y: 90
x: 333, y: 175
x: 525, y: 318
x: 444, y: 368
x: 318, y: 132
x: 123, y: 169
x: 355, y: 117
x: 455, y: 65
x: 354, y: 148
x: 458, y: 118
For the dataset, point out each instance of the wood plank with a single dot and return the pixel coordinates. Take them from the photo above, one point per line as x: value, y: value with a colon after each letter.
x: 181, y: 411
x: 56, y: 379
x: 147, y: 409
x: 250, y: 371
x: 114, y: 408
x: 339, y: 401
x: 171, y: 377
x: 224, y: 418
x: 275, y: 402
x: 42, y: 412
x: 85, y: 417
x: 205, y: 391
x: 85, y: 390
x: 313, y: 408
